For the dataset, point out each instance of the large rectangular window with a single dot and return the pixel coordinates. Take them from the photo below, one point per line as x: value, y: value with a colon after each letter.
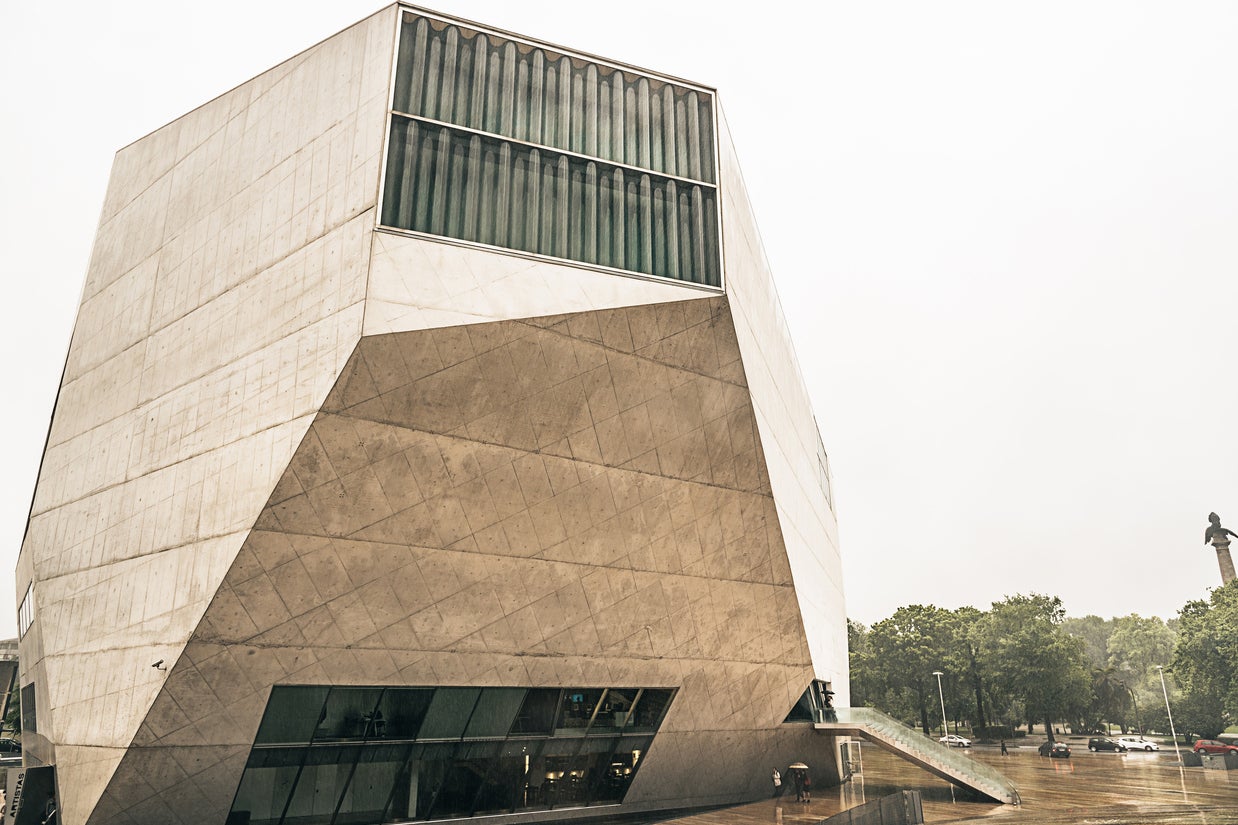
x: 29, y: 713
x: 513, y: 145
x: 343, y: 755
x: 25, y: 613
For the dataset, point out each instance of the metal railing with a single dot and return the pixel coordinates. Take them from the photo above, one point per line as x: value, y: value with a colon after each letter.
x: 946, y: 762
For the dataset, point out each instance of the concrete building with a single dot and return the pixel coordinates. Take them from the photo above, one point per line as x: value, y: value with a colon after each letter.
x: 430, y: 444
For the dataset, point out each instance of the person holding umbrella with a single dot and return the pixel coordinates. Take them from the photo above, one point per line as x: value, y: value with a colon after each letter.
x: 799, y: 773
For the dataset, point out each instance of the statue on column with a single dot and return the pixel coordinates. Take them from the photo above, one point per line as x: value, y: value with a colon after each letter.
x: 1218, y: 537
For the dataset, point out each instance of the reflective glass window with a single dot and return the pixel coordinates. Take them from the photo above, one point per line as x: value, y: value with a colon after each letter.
x: 268, y: 780
x: 348, y: 714
x: 537, y: 713
x: 647, y: 715
x: 372, y: 784
x: 402, y: 803
x: 477, y: 188
x: 457, y: 75
x: 496, y: 709
x: 25, y: 612
x: 465, y: 751
x: 29, y: 711
x: 621, y: 768
x: 400, y: 712
x: 522, y: 765
x: 292, y: 714
x: 426, y: 772
x: 615, y: 712
x: 804, y: 709
x: 556, y: 767
x: 449, y: 713
x: 577, y: 707
x: 520, y: 147
x: 321, y: 782
x: 463, y: 779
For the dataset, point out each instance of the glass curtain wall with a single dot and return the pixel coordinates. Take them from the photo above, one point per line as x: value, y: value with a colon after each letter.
x: 512, y: 145
x: 351, y: 755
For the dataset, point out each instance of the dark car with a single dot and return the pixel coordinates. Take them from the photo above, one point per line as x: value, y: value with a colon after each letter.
x: 1104, y: 743
x: 1054, y: 750
x: 10, y: 746
x: 1214, y: 746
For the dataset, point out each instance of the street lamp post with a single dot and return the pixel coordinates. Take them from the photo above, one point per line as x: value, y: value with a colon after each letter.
x: 1172, y: 732
x: 942, y: 697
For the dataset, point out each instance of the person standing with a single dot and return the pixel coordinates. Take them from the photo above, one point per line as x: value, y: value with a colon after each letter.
x: 797, y: 777
x: 807, y: 788
x: 777, y: 778
x: 1004, y: 751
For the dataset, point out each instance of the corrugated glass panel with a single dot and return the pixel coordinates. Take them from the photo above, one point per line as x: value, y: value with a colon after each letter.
x: 516, y: 146
x: 454, y: 74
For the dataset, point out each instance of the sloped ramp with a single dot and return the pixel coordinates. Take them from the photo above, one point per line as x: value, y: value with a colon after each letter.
x: 951, y: 765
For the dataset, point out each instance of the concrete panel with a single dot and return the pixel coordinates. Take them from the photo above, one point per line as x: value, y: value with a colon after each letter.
x: 788, y: 429
x: 417, y: 283
x: 572, y: 500
x: 224, y: 295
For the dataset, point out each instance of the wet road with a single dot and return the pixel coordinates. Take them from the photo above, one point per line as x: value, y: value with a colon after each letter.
x: 1088, y: 788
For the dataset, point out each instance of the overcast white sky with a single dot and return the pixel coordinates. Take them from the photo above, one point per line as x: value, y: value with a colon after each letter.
x: 1005, y: 236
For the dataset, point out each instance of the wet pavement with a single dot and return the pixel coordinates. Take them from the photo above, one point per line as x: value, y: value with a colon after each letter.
x: 1088, y: 788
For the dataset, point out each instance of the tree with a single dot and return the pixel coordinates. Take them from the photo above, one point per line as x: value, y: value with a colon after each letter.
x: 12, y: 720
x: 905, y: 649
x: 1095, y: 632
x: 1199, y: 716
x: 1110, y: 697
x: 1205, y: 659
x: 968, y: 657
x: 864, y: 689
x: 1136, y: 646
x: 1027, y: 653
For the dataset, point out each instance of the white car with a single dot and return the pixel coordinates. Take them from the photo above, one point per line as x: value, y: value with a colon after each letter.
x: 1134, y: 743
x: 952, y: 740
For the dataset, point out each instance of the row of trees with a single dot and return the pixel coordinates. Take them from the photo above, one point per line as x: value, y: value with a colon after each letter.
x: 1024, y: 661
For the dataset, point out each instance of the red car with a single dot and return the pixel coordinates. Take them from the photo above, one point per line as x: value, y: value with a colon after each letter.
x: 1214, y: 746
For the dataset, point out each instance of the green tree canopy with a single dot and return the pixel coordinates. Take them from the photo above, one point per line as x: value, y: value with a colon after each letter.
x: 1205, y: 660
x: 1137, y: 645
x: 905, y: 650
x: 1030, y: 656
x: 1095, y: 632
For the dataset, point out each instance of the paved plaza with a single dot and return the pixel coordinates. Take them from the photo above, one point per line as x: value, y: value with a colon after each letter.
x: 1109, y: 788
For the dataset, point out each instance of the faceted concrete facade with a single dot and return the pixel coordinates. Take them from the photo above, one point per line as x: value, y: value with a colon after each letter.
x: 294, y: 448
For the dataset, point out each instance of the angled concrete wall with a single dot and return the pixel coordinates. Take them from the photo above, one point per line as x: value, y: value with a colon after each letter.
x: 788, y: 429
x: 223, y: 296
x: 577, y: 499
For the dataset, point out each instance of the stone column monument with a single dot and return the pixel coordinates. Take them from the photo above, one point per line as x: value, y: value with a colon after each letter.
x: 1218, y: 537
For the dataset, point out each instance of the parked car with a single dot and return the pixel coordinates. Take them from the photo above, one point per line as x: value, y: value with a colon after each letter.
x: 10, y: 746
x: 1136, y: 743
x: 1214, y: 746
x: 953, y: 740
x: 1104, y: 743
x: 1054, y: 750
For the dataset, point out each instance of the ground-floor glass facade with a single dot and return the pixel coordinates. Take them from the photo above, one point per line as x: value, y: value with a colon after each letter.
x: 365, y: 755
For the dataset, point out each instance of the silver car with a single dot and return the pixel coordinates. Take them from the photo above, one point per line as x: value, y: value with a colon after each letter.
x: 1138, y: 743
